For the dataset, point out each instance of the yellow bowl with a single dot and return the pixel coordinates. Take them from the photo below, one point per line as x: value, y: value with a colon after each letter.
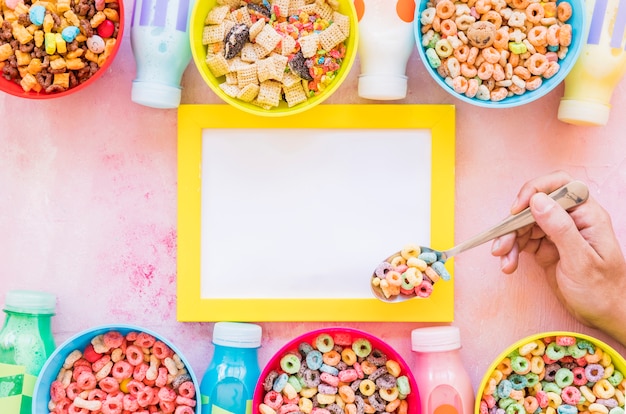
x: 616, y: 360
x: 199, y: 53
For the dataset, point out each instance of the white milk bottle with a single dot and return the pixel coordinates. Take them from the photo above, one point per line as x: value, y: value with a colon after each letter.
x: 159, y: 37
x: 386, y: 41
x: 599, y: 68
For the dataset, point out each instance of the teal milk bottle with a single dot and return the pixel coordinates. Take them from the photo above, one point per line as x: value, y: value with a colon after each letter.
x: 26, y: 342
x: 228, y: 384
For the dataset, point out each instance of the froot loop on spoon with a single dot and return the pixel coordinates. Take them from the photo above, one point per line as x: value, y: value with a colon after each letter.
x: 413, y: 271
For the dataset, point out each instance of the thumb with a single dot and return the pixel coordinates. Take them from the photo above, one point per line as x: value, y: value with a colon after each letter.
x: 556, y: 223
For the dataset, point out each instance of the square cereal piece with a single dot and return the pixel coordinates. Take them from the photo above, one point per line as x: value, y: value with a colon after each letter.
x: 63, y: 6
x: 6, y: 51
x: 34, y: 66
x: 20, y: 8
x: 215, y: 48
x: 217, y: 15
x: 235, y: 63
x: 269, y: 93
x: 23, y: 58
x: 23, y: 71
x: 111, y: 14
x: 230, y: 90
x: 217, y: 64
x: 265, y: 69
x: 231, y: 78
x: 62, y: 79
x: 308, y: 8
x: 97, y: 19
x: 262, y: 105
x: 343, y: 21
x: 281, y: 6
x: 213, y: 33
x: 248, y: 93
x: 268, y: 38
x: 232, y: 4
x: 256, y: 28
x: 71, y: 17
x: 280, y: 63
x: 247, y: 75
x: 21, y: 34
x: 323, y: 9
x: 294, y: 94
x: 331, y: 37
x: 290, y: 78
x: 28, y: 82
x: 58, y: 64
x: 261, y: 52
x: 295, y: 6
x: 228, y: 24
x: 309, y: 45
x: 248, y: 53
x: 287, y: 46
x: 241, y: 15
x: 74, y: 63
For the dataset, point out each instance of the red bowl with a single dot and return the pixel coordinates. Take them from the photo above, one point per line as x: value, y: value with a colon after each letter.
x: 13, y: 88
x: 339, y: 335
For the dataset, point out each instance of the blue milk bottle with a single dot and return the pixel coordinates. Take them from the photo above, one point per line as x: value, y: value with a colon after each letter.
x: 228, y: 384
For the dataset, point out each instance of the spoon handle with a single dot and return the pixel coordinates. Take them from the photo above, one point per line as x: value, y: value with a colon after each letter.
x: 568, y: 196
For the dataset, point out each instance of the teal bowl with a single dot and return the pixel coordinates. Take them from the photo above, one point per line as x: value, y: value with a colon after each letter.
x: 50, y: 370
x: 578, y: 23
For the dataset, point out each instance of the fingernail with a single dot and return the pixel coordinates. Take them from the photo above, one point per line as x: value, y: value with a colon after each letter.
x: 504, y: 262
x: 542, y: 203
x: 514, y: 205
x: 496, y: 245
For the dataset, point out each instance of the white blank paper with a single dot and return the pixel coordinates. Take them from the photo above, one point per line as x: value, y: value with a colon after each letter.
x: 309, y: 213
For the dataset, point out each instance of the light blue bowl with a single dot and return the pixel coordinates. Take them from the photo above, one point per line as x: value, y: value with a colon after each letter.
x: 578, y: 23
x: 41, y: 395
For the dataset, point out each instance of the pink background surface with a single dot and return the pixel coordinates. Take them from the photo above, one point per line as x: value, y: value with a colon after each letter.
x: 88, y: 209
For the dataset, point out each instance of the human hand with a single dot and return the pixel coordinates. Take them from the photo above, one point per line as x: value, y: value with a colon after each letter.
x: 579, y: 252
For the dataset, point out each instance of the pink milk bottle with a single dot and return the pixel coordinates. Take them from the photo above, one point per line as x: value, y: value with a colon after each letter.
x: 443, y: 383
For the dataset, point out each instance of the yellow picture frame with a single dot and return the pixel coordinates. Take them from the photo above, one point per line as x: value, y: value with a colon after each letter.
x: 192, y: 307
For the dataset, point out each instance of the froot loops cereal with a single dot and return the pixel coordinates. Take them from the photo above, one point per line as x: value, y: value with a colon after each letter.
x: 52, y: 46
x: 286, y: 50
x: 558, y: 374
x: 411, y: 273
x: 493, y: 49
x: 335, y: 374
x: 115, y: 373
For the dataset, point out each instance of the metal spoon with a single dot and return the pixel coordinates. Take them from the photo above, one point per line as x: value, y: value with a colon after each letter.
x: 568, y: 196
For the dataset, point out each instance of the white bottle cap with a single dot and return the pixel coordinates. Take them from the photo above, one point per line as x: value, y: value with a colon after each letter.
x: 28, y: 301
x: 435, y: 339
x: 382, y: 87
x: 586, y: 113
x: 237, y: 334
x: 155, y: 95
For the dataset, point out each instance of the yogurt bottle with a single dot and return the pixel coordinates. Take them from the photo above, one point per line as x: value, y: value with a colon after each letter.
x: 159, y: 39
x: 386, y: 41
x: 444, y: 385
x: 599, y: 68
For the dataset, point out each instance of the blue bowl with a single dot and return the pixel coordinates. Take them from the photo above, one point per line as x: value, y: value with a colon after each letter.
x: 41, y: 395
x: 578, y: 23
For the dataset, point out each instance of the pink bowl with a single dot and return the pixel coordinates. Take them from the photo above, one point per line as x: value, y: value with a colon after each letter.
x: 339, y: 335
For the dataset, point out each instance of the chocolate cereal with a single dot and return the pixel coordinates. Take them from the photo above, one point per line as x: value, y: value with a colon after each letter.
x: 50, y: 47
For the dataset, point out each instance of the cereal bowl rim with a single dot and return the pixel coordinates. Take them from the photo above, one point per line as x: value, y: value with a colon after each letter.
x: 198, y: 52
x: 291, y: 345
x: 14, y: 89
x: 618, y: 360
x: 578, y: 22
x: 81, y: 339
